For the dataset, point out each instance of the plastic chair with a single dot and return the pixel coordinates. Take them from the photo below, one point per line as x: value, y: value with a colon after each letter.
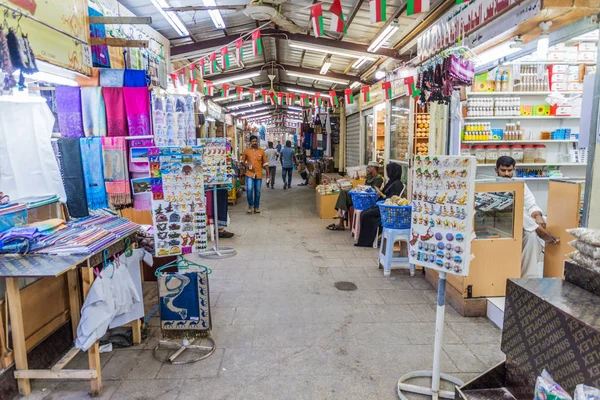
x: 386, y: 251
x: 356, y: 224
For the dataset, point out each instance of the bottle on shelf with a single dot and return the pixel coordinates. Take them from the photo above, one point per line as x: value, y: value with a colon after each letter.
x: 505, y: 81
x: 498, y: 81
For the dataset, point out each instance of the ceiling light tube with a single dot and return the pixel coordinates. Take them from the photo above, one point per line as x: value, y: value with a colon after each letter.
x: 330, y: 50
x: 250, y: 111
x: 301, y: 91
x: 325, y: 67
x: 215, y: 15
x: 294, y: 108
x: 171, y: 17
x: 316, y: 77
x: 247, y: 104
x: 383, y: 37
x: 359, y: 63
x: 230, y: 79
x: 354, y: 84
x: 258, y: 114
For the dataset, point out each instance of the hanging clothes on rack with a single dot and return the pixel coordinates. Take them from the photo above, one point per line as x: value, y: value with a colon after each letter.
x: 68, y: 107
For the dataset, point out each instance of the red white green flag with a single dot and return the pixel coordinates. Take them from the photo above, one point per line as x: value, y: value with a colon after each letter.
x: 252, y: 94
x: 290, y: 99
x: 209, y: 89
x: 318, y: 100
x: 257, y: 48
x: 240, y: 92
x: 279, y: 98
x: 273, y: 98
x: 265, y: 94
x: 225, y: 58
x: 192, y: 71
x: 181, y: 77
x: 174, y: 79
x: 316, y: 13
x: 366, y: 92
x: 334, y: 99
x: 378, y: 10
x: 348, y: 96
x: 412, y: 90
x: 202, y: 64
x: 417, y: 6
x: 225, y: 90
x: 387, y: 89
x: 239, y: 51
x: 304, y: 100
x: 338, y: 24
x: 192, y: 86
x: 212, y: 60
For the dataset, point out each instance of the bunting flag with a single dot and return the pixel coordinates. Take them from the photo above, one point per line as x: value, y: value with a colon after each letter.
x: 418, y: 6
x: 252, y: 94
x: 378, y: 10
x: 174, y: 79
x: 349, y: 97
x: 290, y: 99
x: 273, y: 98
x: 387, y: 89
x: 202, y: 63
x: 318, y: 100
x: 304, y: 102
x: 182, y: 77
x: 280, y: 98
x: 209, y: 89
x: 338, y: 24
x: 192, y: 71
x: 225, y: 90
x: 240, y: 92
x: 192, y: 86
x: 257, y: 48
x: 316, y: 13
x: 366, y: 91
x: 212, y: 60
x: 334, y: 99
x: 225, y: 58
x: 239, y: 51
x: 265, y: 94
x: 412, y: 90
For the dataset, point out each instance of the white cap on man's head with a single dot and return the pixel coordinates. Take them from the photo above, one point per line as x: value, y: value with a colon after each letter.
x: 373, y: 164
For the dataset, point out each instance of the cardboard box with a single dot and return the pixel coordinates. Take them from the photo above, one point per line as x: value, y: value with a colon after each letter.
x: 559, y: 77
x: 573, y: 77
x: 560, y: 68
x: 563, y: 111
x: 541, y: 110
x: 557, y: 47
x: 573, y: 69
x: 586, y: 56
x: 575, y: 86
x: 558, y: 87
x: 587, y: 46
x: 325, y: 205
x: 571, y: 56
x: 556, y: 56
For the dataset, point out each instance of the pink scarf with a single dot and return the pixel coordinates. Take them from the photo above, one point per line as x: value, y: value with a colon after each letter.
x: 116, y: 120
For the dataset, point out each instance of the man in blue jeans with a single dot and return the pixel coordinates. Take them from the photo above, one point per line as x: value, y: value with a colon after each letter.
x: 288, y: 159
x: 255, y: 159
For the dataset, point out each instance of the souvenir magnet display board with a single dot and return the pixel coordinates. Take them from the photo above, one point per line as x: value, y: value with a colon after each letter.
x: 217, y: 160
x: 178, y: 202
x: 184, y: 304
x: 442, y: 213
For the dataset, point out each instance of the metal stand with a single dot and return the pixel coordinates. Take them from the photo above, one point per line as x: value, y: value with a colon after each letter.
x: 180, y: 348
x: 217, y: 252
x: 435, y: 375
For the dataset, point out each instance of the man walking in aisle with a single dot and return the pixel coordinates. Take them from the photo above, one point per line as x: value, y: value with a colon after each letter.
x: 272, y: 156
x: 288, y: 159
x: 255, y: 159
x: 278, y: 148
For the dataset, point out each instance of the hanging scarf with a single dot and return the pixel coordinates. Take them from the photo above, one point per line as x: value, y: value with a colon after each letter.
x: 72, y: 175
x: 137, y: 105
x: 91, y: 157
x: 135, y: 78
x: 93, y: 112
x: 116, y: 176
x: 100, y: 56
x: 111, y: 77
x: 68, y: 106
x: 6, y: 63
x: 93, y: 80
x: 116, y: 120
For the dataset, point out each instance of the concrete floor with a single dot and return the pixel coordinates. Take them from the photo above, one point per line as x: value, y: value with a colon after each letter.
x: 283, y: 331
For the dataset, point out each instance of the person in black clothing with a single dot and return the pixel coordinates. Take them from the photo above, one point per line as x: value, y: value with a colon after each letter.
x: 370, y: 219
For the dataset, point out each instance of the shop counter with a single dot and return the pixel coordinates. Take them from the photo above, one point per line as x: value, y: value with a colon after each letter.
x: 325, y: 205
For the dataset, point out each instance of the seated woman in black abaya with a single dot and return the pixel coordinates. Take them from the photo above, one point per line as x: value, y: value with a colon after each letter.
x: 370, y: 219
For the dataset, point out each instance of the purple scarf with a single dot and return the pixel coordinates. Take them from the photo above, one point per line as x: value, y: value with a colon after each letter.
x: 68, y: 106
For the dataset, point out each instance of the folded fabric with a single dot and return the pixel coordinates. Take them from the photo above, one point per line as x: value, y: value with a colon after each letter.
x: 111, y: 77
x: 91, y: 155
x: 116, y: 118
x: 68, y: 106
x: 135, y: 78
x: 93, y: 80
x: 116, y: 176
x: 72, y: 173
x: 93, y: 111
x: 100, y: 56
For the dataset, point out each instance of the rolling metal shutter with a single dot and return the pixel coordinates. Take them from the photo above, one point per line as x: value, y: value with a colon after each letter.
x: 353, y: 140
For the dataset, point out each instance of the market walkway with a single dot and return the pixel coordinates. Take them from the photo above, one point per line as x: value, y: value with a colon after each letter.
x: 285, y: 332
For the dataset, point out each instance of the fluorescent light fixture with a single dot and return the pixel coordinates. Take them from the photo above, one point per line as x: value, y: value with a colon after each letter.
x: 325, y: 67
x: 495, y: 53
x: 247, y: 104
x: 379, y: 75
x: 383, y: 37
x: 215, y: 15
x: 302, y: 91
x: 250, y: 111
x: 171, y: 17
x: 359, y: 63
x: 543, y: 41
x: 294, y: 108
x: 258, y: 114
x: 329, y: 50
x: 50, y: 78
x: 316, y: 77
x: 230, y: 79
x: 354, y: 84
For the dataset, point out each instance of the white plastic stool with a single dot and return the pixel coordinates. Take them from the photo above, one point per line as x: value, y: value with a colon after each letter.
x: 386, y: 252
x: 356, y: 224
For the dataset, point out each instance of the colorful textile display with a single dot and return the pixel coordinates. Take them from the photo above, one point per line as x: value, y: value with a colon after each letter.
x: 116, y: 118
x: 93, y: 80
x: 116, y: 176
x: 91, y: 157
x: 137, y: 106
x: 100, y: 56
x: 135, y: 78
x: 111, y: 77
x: 72, y: 174
x: 184, y: 304
x: 68, y: 106
x: 93, y: 111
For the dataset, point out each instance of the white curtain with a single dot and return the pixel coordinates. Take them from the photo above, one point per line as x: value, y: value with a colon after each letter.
x: 28, y: 166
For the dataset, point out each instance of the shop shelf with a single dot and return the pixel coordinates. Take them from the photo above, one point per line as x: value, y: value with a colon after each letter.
x: 568, y: 164
x: 546, y: 93
x: 516, y: 141
x: 518, y: 117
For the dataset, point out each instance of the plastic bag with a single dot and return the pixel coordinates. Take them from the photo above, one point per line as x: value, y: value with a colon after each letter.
x: 547, y: 389
x: 587, y: 235
x: 583, y: 392
x: 584, y: 261
x: 586, y: 249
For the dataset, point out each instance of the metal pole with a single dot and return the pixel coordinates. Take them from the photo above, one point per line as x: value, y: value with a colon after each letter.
x: 217, y: 252
x: 216, y: 219
x: 439, y: 334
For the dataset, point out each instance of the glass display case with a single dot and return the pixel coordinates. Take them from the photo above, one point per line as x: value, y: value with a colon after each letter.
x: 369, y: 135
x: 494, y: 215
x: 399, y: 129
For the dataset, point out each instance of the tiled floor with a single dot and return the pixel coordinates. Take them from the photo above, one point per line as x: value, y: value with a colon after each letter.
x: 282, y: 329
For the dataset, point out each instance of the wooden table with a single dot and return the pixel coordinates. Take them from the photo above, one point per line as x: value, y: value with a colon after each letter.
x: 13, y: 267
